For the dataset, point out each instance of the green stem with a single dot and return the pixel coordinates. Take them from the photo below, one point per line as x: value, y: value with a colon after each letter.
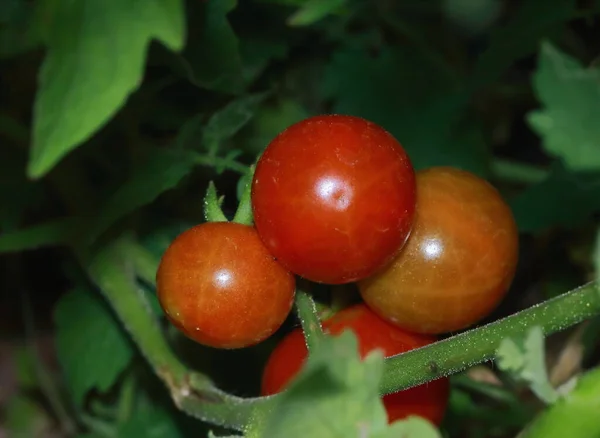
x: 225, y: 163
x: 113, y: 271
x: 464, y: 350
x: 126, y: 398
x: 243, y: 214
x: 309, y: 318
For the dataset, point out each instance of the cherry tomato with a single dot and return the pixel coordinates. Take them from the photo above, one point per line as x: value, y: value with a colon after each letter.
x: 333, y: 198
x: 428, y: 400
x: 220, y: 286
x: 459, y: 260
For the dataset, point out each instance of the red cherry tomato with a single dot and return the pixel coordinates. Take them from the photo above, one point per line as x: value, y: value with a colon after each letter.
x: 428, y: 401
x: 333, y: 198
x: 459, y: 260
x: 220, y: 286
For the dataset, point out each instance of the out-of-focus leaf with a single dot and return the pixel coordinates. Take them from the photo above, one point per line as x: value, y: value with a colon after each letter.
x: 25, y: 417
x: 335, y: 394
x: 422, y: 111
x: 525, y: 359
x: 20, y: 27
x: 568, y: 120
x: 257, y: 53
x: 226, y: 122
x: 92, y: 347
x: 521, y: 36
x: 575, y: 416
x: 162, y: 170
x: 96, y: 58
x: 314, y: 10
x: 212, y: 56
x: 562, y: 199
x: 56, y: 232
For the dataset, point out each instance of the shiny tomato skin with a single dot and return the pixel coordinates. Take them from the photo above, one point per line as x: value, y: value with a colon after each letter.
x: 220, y: 286
x: 428, y: 400
x: 333, y: 198
x: 459, y: 261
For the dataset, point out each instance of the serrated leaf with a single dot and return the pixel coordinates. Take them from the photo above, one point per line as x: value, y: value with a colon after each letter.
x: 314, y: 10
x: 212, y: 57
x: 226, y: 122
x: 520, y: 37
x: 570, y: 98
x: 55, y: 232
x: 575, y: 416
x: 96, y: 58
x: 162, y: 170
x: 526, y: 361
x: 92, y: 347
x: 335, y: 394
x: 537, y: 207
x: 422, y: 111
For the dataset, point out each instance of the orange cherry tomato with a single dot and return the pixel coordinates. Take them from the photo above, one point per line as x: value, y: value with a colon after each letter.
x: 459, y: 260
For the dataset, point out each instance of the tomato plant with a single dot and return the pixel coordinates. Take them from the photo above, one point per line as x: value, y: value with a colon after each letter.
x: 220, y: 286
x: 458, y: 262
x: 333, y: 198
x: 428, y: 401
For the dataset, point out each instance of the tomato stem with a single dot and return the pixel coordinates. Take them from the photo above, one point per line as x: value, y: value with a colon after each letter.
x: 309, y: 318
x: 478, y: 345
x: 114, y: 270
x: 243, y: 214
x: 212, y: 205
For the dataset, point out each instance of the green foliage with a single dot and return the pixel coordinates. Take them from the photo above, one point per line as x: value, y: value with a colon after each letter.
x: 173, y: 98
x: 574, y: 416
x: 161, y: 170
x: 212, y: 58
x: 526, y: 360
x: 96, y: 55
x: 570, y: 96
x: 93, y: 350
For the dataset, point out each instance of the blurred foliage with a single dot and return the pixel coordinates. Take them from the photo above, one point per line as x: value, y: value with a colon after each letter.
x: 115, y: 115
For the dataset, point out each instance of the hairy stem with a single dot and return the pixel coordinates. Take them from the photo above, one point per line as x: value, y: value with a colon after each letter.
x: 479, y: 345
x: 309, y: 318
x: 113, y: 271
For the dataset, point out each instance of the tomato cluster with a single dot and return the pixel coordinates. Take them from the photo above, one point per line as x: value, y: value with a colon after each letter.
x: 335, y: 200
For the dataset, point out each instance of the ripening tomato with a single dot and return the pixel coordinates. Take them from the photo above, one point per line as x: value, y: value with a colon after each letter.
x: 220, y: 286
x: 333, y: 198
x: 459, y: 261
x: 428, y: 401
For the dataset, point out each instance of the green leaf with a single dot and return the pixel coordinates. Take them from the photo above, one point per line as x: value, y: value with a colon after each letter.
x: 92, y: 348
x: 536, y: 208
x: 212, y: 57
x: 269, y: 121
x: 575, y: 416
x: 315, y: 10
x: 96, y: 58
x: 570, y: 97
x: 520, y: 37
x: 55, y: 232
x: 526, y: 360
x: 257, y: 53
x: 162, y: 170
x: 422, y: 111
x: 26, y: 417
x: 150, y: 421
x: 596, y: 255
x: 19, y: 26
x: 226, y: 122
x: 335, y: 394
x: 412, y: 427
